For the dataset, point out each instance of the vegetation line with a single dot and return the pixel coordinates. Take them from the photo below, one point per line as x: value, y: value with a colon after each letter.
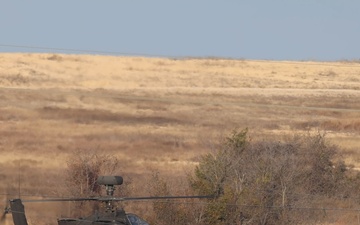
x: 178, y: 101
x: 77, y: 50
x: 116, y: 53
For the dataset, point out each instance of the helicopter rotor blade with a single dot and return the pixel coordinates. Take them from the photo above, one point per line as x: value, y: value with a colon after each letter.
x: 117, y: 198
x: 61, y: 199
x: 155, y: 198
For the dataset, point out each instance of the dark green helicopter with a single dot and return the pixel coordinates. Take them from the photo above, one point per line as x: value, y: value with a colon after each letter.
x: 111, y: 215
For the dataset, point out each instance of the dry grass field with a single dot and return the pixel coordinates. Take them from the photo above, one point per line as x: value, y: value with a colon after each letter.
x: 158, y: 114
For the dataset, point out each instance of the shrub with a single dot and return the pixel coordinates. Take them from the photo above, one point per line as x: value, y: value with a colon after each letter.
x: 169, y: 211
x: 84, y: 167
x: 265, y: 182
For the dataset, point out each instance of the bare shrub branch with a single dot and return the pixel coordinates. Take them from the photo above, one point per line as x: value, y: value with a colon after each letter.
x: 84, y: 168
x: 260, y: 182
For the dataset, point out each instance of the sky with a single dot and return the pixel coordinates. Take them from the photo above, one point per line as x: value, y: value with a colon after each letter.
x: 321, y: 30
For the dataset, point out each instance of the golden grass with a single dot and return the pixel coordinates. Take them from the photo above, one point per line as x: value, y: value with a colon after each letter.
x: 158, y: 114
x: 83, y: 71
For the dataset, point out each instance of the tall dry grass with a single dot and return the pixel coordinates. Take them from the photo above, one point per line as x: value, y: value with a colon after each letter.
x: 158, y: 114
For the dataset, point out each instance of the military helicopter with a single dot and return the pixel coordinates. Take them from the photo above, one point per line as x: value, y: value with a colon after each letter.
x: 111, y: 215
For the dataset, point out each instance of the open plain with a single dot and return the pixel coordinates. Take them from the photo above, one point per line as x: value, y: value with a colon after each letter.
x: 160, y: 114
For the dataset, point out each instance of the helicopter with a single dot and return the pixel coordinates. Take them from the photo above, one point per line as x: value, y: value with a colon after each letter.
x: 112, y: 215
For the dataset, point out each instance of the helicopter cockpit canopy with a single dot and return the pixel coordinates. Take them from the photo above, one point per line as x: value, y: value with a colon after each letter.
x: 135, y: 220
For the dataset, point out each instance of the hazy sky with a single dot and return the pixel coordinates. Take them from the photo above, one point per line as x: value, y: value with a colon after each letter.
x: 250, y: 29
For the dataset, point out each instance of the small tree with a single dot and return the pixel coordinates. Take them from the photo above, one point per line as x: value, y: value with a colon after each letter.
x: 212, y: 177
